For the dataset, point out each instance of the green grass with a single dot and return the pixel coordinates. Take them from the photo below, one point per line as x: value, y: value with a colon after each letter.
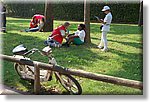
x: 124, y: 58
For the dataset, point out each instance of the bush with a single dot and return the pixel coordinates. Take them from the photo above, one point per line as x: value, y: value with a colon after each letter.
x: 122, y: 12
x: 24, y: 10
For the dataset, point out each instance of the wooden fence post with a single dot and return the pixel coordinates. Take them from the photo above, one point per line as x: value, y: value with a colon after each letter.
x: 36, y: 79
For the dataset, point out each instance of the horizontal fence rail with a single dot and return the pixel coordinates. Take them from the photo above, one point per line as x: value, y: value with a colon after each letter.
x: 80, y: 73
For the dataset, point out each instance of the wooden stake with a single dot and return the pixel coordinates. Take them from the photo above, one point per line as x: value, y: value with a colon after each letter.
x: 36, y: 79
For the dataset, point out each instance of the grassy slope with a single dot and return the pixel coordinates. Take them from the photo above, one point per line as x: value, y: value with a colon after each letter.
x: 124, y: 58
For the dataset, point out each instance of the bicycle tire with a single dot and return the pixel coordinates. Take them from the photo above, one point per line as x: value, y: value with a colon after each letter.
x: 16, y: 66
x: 65, y: 84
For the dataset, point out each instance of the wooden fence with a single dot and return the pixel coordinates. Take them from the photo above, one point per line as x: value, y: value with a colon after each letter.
x: 80, y: 73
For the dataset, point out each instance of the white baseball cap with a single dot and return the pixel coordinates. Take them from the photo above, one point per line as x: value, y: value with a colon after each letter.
x: 106, y: 8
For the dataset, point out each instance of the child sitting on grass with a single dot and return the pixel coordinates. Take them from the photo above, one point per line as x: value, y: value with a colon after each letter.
x: 35, y: 20
x: 38, y: 28
x: 78, y: 37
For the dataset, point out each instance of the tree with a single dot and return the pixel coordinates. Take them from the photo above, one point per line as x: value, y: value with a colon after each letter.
x: 141, y: 14
x: 87, y: 20
x: 48, y: 26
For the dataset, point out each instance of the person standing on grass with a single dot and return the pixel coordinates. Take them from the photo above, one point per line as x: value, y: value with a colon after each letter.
x: 3, y: 17
x: 105, y: 28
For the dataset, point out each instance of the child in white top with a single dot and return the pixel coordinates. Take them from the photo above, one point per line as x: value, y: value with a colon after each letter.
x: 78, y: 37
x: 81, y: 34
x: 105, y: 27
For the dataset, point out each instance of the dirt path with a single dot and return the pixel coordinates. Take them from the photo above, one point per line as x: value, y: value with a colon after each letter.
x: 5, y: 90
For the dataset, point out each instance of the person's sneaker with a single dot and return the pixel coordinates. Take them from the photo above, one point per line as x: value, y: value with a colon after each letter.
x: 104, y: 50
x: 100, y: 47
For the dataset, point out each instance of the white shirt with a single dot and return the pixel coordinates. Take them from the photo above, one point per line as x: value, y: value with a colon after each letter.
x: 81, y: 34
x: 107, y: 19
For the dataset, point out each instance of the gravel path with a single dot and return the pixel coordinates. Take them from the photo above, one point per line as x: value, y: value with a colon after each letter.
x: 5, y: 90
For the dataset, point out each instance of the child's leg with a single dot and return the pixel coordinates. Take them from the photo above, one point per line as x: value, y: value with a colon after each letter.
x: 70, y: 35
x: 101, y: 42
x: 54, y: 44
x: 70, y: 40
x: 77, y: 41
x: 32, y: 29
x: 104, y: 38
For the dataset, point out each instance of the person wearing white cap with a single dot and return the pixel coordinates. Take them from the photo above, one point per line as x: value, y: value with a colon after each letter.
x: 105, y: 28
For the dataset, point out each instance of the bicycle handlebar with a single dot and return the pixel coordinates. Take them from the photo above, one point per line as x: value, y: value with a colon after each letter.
x: 32, y: 51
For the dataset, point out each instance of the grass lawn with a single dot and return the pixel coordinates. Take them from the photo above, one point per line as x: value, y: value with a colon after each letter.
x: 124, y: 58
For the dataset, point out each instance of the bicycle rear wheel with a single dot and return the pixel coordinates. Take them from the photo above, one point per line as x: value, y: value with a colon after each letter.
x: 69, y: 83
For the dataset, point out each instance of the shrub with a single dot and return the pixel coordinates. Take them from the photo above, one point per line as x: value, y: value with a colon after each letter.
x: 122, y: 12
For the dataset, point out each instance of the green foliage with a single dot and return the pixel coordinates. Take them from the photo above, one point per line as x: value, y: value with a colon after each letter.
x: 122, y: 12
x: 68, y: 11
x: 24, y: 10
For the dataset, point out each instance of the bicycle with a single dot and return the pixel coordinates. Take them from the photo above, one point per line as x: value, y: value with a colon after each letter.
x: 26, y: 72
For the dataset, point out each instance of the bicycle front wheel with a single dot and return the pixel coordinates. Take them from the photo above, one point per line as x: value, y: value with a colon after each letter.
x: 69, y: 83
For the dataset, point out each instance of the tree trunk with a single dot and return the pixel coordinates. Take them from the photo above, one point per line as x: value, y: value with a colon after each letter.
x: 87, y: 20
x: 48, y: 26
x: 141, y: 14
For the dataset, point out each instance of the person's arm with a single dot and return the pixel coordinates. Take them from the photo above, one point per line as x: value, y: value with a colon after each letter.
x: 106, y: 19
x: 41, y: 27
x: 63, y: 33
x: 70, y: 34
x: 73, y: 36
x: 102, y: 21
x: 54, y: 35
x: 33, y: 24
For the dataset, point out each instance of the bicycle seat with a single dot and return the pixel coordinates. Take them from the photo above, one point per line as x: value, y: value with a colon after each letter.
x: 19, y: 50
x: 46, y: 51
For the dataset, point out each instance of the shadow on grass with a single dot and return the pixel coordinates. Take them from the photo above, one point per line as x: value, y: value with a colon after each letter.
x: 78, y: 57
x: 75, y: 56
x: 133, y: 44
x: 132, y: 65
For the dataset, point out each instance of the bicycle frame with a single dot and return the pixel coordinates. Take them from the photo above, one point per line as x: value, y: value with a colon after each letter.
x: 27, y: 72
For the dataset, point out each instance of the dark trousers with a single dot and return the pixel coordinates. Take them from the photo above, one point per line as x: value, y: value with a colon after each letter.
x: 3, y: 22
